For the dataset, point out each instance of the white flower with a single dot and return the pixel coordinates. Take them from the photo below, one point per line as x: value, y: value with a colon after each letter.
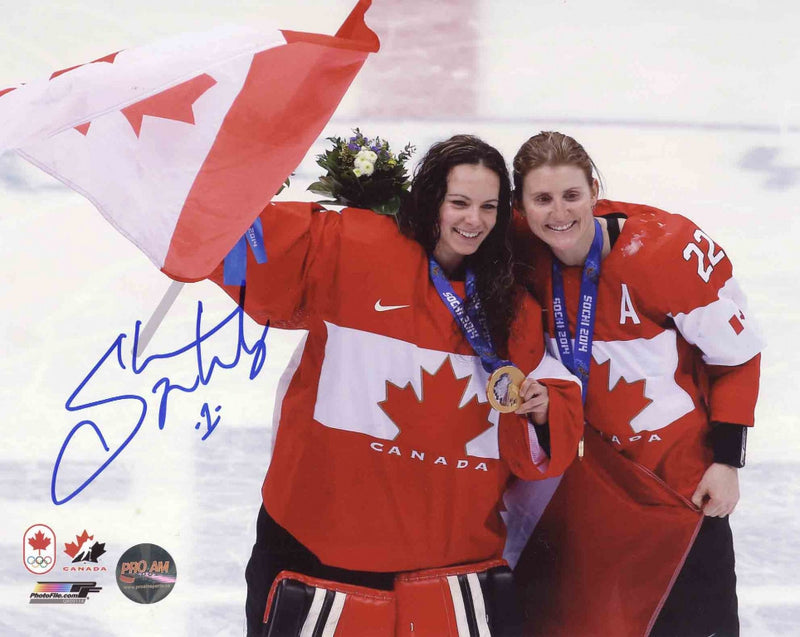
x: 364, y: 167
x: 366, y: 153
x: 364, y: 162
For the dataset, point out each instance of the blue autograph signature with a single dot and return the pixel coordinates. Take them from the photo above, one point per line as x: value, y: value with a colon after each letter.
x: 205, y: 370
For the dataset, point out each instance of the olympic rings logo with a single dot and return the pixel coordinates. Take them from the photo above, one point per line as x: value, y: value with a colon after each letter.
x: 38, y: 560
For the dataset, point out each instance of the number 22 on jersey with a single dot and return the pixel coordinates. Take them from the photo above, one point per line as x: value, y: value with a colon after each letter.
x: 713, y: 254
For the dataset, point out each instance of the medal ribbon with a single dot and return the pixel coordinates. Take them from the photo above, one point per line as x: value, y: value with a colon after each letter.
x: 235, y: 267
x: 579, y: 359
x: 471, y: 320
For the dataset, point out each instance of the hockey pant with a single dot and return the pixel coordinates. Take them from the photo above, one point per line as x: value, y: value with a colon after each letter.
x: 475, y: 600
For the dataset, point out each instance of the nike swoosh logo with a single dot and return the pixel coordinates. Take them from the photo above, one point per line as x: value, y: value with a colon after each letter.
x: 386, y: 308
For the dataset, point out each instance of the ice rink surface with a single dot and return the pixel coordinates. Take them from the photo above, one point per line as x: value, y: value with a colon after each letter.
x: 693, y: 107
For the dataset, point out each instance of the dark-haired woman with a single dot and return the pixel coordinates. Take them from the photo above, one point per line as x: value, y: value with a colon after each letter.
x: 383, y: 494
x: 670, y: 354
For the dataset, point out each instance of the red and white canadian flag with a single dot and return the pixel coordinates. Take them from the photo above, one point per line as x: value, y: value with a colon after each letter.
x: 181, y: 144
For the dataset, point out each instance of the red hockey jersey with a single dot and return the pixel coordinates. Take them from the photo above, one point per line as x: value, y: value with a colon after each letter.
x: 387, y: 455
x: 674, y: 348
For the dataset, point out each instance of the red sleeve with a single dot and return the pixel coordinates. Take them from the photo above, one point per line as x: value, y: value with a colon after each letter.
x: 733, y: 391
x: 301, y: 241
x: 519, y: 446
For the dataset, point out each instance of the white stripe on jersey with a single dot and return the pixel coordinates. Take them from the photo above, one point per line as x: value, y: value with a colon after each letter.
x: 551, y: 367
x: 350, y: 401
x: 283, y: 386
x: 709, y: 328
x: 654, y: 360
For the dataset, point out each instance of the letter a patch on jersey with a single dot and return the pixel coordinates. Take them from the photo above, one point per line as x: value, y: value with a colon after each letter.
x: 626, y: 310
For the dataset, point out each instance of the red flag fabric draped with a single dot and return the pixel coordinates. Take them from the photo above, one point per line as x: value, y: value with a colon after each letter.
x: 181, y: 144
x: 607, y: 549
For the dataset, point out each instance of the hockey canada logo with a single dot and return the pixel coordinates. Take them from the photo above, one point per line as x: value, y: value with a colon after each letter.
x: 39, y: 549
x: 85, y: 552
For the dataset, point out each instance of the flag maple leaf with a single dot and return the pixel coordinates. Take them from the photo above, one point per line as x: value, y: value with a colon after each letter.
x: 175, y: 103
x: 39, y: 542
x: 427, y: 422
x: 628, y: 400
x: 71, y: 549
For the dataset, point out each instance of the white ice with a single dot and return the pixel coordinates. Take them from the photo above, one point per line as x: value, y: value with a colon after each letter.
x: 690, y: 106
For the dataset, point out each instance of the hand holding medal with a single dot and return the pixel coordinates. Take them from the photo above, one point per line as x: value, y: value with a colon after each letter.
x: 534, y: 401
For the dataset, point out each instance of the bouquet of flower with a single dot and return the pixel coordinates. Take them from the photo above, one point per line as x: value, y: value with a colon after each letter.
x: 363, y: 173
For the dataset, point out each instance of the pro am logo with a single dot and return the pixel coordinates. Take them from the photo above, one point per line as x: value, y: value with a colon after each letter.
x: 85, y: 552
x: 146, y: 573
x: 39, y: 549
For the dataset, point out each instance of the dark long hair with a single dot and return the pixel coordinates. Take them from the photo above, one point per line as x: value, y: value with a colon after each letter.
x: 419, y: 219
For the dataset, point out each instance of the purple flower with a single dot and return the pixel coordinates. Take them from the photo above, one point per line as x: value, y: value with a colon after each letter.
x: 353, y: 146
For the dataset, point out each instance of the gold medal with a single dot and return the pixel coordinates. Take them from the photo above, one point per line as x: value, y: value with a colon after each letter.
x: 503, y: 388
